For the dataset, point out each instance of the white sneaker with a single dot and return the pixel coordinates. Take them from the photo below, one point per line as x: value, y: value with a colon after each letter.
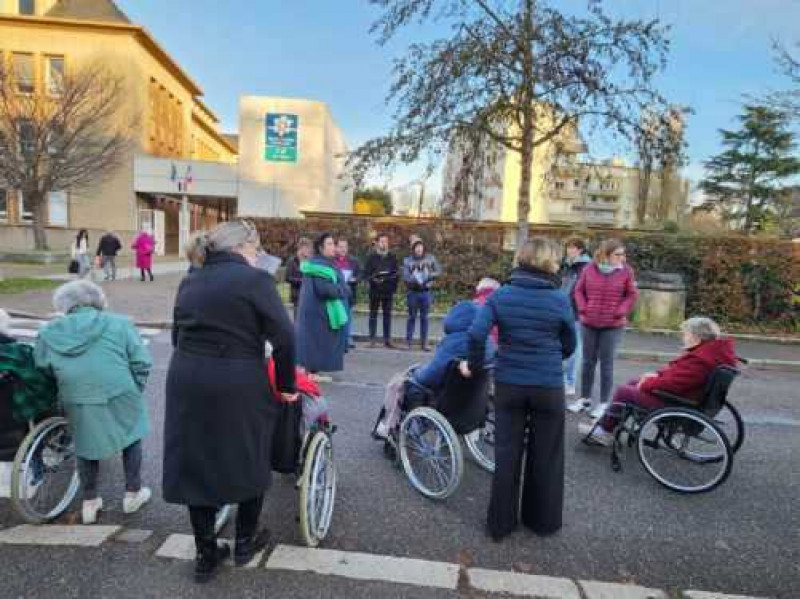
x: 90, y: 509
x: 579, y: 405
x: 134, y: 501
x: 382, y: 430
x: 595, y: 433
x: 598, y: 411
x: 569, y: 390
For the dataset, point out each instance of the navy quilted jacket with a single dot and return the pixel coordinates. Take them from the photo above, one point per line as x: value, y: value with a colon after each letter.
x: 537, y: 330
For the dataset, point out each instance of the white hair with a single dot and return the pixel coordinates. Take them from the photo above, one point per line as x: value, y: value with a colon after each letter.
x: 487, y: 283
x: 5, y: 322
x: 701, y: 327
x: 79, y: 294
x: 226, y: 237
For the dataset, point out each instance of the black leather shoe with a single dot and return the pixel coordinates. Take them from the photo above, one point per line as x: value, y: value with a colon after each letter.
x: 247, y: 547
x: 208, y: 561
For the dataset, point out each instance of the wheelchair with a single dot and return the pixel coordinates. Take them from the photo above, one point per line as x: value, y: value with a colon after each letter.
x: 426, y: 442
x: 316, y: 479
x: 687, y: 447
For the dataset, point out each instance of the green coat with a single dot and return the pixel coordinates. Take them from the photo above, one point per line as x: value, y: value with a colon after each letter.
x: 101, y: 366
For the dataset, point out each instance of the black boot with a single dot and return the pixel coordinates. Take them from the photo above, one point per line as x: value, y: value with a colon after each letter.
x: 249, y: 540
x: 210, y: 554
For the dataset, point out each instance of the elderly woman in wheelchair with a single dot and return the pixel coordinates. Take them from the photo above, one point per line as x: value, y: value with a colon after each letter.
x: 427, y: 406
x: 679, y: 414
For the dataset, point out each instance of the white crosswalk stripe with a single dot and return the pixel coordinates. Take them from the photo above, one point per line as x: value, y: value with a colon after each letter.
x: 81, y: 536
x: 25, y: 329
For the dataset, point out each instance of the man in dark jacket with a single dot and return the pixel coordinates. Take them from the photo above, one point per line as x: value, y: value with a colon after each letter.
x: 293, y: 275
x: 382, y: 273
x: 107, y: 250
x: 575, y: 261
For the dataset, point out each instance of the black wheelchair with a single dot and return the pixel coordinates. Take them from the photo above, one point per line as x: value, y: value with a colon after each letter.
x: 426, y: 442
x: 687, y: 447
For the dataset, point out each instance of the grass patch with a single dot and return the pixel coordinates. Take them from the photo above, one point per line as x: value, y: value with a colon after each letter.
x: 23, y: 284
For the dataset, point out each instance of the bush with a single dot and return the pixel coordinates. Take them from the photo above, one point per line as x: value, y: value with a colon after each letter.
x: 742, y: 282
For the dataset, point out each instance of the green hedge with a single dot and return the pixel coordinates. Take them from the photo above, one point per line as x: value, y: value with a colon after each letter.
x: 744, y: 283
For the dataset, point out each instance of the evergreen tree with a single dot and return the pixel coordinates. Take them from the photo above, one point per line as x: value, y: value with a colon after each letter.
x: 746, y: 180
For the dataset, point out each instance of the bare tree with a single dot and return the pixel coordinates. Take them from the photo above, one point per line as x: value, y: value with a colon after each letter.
x: 68, y: 137
x: 787, y: 100
x: 517, y: 72
x: 661, y: 147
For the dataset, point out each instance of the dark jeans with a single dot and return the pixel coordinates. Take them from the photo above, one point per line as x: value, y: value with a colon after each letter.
x: 419, y: 302
x: 147, y: 271
x: 110, y: 267
x: 131, y: 464
x: 540, y: 412
x: 599, y: 344
x: 384, y: 302
x: 203, y: 519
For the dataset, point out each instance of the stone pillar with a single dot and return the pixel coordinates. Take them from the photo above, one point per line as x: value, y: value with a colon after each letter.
x: 662, y: 301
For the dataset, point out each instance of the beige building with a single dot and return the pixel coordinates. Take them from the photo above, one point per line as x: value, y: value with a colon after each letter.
x: 40, y: 39
x: 291, y: 158
x: 565, y: 188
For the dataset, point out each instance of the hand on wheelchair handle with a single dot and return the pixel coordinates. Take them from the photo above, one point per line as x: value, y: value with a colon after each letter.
x: 289, y: 397
x: 463, y: 368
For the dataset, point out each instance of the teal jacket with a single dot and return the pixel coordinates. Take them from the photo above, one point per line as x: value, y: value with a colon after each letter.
x: 101, y: 367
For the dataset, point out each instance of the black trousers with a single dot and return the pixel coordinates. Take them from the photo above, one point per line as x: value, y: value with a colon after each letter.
x: 384, y: 302
x: 203, y: 519
x: 540, y: 412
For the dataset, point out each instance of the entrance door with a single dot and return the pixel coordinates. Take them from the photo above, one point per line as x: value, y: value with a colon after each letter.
x: 159, y: 232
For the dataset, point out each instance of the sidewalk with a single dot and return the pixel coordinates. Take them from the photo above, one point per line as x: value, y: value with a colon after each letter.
x: 125, y: 269
x: 150, y: 304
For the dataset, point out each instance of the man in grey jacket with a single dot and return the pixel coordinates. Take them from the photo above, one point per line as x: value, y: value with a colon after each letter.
x: 420, y: 270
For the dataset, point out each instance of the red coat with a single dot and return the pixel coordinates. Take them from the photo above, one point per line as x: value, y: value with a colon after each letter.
x: 145, y: 245
x: 605, y: 300
x: 687, y: 375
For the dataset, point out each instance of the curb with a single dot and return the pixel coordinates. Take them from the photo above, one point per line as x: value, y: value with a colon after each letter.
x: 624, y: 354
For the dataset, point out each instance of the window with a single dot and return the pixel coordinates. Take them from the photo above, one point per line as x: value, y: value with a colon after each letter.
x: 27, y: 7
x: 25, y: 209
x: 559, y: 185
x: 3, y: 204
x: 57, y: 209
x: 23, y: 73
x: 54, y: 75
x: 27, y: 138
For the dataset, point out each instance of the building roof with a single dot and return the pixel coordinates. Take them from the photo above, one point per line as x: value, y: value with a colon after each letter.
x: 232, y: 139
x: 89, y: 10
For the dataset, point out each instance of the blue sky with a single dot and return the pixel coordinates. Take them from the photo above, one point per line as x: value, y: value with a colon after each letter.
x: 321, y: 49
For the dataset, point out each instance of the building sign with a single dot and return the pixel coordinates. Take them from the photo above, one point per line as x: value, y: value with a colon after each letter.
x: 281, y: 131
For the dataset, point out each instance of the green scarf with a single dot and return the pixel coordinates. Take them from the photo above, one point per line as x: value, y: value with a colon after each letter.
x: 337, y: 313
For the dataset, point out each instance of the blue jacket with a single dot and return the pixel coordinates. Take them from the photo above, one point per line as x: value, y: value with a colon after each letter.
x: 536, y: 326
x: 454, y: 344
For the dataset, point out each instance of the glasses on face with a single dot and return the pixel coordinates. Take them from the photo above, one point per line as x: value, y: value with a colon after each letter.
x: 619, y: 254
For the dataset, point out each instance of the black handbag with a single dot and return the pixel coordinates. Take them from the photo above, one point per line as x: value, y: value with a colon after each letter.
x: 74, y: 268
x: 286, y: 439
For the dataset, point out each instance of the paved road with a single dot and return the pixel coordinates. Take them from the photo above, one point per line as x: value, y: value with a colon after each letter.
x: 742, y: 538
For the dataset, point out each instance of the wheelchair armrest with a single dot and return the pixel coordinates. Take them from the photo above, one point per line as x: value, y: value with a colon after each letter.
x: 674, y: 399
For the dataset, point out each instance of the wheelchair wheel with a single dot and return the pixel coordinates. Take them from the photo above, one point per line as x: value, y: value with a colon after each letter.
x: 430, y: 453
x: 684, y: 450
x: 44, y: 478
x: 317, y: 489
x: 730, y: 422
x: 222, y: 518
x: 480, y: 442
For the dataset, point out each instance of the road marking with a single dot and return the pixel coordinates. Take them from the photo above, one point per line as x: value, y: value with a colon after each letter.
x: 81, y: 536
x: 182, y: 547
x: 525, y: 585
x: 364, y: 566
x: 707, y: 595
x: 609, y: 590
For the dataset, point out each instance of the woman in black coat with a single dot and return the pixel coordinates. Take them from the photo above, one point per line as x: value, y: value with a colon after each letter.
x: 220, y: 410
x: 320, y: 348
